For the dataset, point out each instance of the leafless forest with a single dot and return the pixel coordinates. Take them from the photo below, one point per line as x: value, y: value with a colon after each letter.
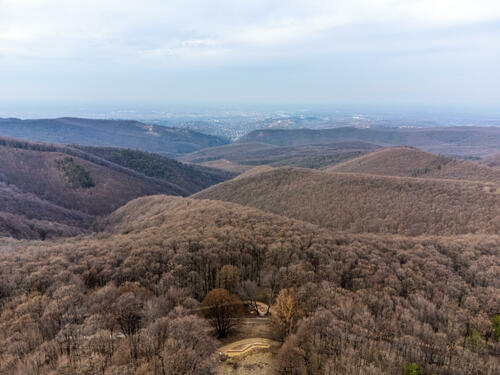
x: 384, y: 262
x: 130, y: 299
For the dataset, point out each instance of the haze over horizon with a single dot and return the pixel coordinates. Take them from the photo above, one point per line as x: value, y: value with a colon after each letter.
x: 424, y: 53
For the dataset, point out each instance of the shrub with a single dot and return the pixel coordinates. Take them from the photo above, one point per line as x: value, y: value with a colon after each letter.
x: 476, y: 342
x: 411, y: 369
x: 496, y: 326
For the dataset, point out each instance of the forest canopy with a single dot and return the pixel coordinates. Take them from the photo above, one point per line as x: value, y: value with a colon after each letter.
x: 128, y: 298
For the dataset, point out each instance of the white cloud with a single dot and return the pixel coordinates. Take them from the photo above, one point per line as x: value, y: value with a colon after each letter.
x: 53, y: 27
x: 172, y: 36
x: 290, y: 30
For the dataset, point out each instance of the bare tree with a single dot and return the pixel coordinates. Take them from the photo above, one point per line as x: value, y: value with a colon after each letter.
x: 222, y: 309
x: 248, y: 291
x: 228, y: 278
x: 291, y: 359
x: 128, y: 316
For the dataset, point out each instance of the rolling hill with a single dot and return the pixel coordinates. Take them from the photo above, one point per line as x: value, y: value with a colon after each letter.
x: 116, y: 133
x: 387, y: 260
x: 367, y: 203
x: 460, y: 141
x: 189, y: 177
x: 226, y: 165
x: 305, y: 156
x: 411, y: 162
x: 23, y: 215
x: 129, y: 297
x: 43, y: 183
x: 492, y: 161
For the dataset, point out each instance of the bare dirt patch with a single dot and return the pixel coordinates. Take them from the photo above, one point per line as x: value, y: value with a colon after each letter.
x: 251, y: 346
x: 260, y: 363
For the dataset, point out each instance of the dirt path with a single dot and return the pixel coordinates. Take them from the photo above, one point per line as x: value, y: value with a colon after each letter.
x: 253, y: 356
x: 251, y: 348
x: 244, y: 347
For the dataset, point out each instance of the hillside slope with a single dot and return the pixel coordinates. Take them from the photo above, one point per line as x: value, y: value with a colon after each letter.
x: 42, y: 183
x: 117, y: 133
x: 305, y: 156
x: 129, y: 297
x: 492, y: 161
x: 23, y: 215
x: 226, y: 165
x: 43, y: 174
x: 189, y: 177
x: 411, y: 162
x: 465, y: 141
x: 367, y: 203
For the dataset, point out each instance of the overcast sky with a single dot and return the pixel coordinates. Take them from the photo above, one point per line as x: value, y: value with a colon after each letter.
x: 251, y: 51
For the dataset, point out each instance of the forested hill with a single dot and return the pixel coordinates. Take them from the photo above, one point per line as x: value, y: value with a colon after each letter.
x: 306, y: 156
x: 367, y: 203
x: 466, y: 141
x: 411, y: 162
x: 190, y: 177
x: 117, y: 133
x: 127, y: 300
x: 49, y: 189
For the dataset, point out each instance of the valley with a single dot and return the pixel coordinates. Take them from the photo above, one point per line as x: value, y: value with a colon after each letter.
x: 52, y: 189
x: 245, y: 259
x: 315, y: 156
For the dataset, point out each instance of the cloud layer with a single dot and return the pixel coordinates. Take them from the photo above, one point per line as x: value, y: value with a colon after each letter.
x: 250, y: 51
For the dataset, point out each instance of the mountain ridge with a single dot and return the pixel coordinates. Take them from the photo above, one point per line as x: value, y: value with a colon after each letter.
x: 112, y: 133
x: 460, y: 141
x: 411, y: 162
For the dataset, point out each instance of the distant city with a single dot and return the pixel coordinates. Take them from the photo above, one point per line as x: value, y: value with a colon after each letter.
x: 232, y: 122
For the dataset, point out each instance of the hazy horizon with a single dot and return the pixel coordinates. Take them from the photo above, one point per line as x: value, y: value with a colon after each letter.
x: 148, y: 110
x: 427, y: 53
